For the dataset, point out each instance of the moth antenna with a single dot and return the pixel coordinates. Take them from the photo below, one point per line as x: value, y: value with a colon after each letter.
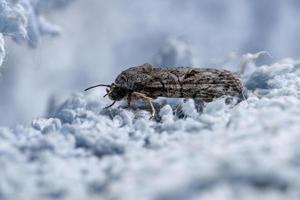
x: 96, y: 86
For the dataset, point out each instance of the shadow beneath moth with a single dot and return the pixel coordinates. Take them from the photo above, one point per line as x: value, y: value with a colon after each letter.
x: 147, y: 82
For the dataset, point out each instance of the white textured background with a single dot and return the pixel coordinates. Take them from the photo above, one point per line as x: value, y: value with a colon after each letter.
x: 75, y: 150
x: 98, y: 39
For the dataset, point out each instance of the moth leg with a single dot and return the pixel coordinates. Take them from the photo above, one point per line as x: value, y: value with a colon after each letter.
x: 146, y: 99
x: 199, y: 105
x: 129, y: 100
x: 110, y: 105
x: 152, y: 108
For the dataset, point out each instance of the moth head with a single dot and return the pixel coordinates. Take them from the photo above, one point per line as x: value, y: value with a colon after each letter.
x: 113, y: 91
x: 116, y: 92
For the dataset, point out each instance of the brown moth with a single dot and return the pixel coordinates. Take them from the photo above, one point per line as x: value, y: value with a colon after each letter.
x: 147, y: 82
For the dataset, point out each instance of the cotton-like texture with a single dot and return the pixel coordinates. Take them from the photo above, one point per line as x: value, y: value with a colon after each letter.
x: 244, y: 151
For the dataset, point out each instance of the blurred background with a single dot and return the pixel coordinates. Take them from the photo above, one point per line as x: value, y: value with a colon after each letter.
x: 100, y: 38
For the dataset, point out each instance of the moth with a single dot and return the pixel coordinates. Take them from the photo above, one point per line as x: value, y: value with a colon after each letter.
x: 147, y: 82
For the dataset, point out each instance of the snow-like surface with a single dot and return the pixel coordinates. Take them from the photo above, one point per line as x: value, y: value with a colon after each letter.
x: 23, y: 20
x: 246, y: 151
x: 99, y: 39
x: 12, y: 22
x: 2, y: 49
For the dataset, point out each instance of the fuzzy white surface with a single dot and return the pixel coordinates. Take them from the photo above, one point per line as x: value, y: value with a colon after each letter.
x: 247, y: 151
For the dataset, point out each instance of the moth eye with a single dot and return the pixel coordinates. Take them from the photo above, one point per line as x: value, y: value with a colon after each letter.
x: 107, y: 90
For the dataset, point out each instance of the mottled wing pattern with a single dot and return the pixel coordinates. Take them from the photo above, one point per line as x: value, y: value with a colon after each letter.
x: 202, y: 83
x: 208, y: 84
